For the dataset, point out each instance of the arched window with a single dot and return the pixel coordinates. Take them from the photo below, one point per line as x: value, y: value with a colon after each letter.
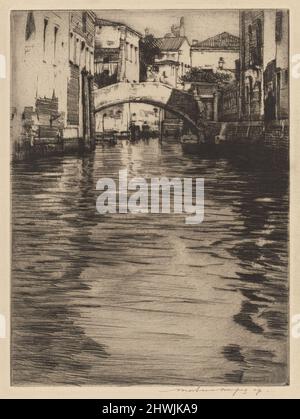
x: 71, y: 46
x: 45, y: 35
x: 131, y: 54
x: 55, y: 43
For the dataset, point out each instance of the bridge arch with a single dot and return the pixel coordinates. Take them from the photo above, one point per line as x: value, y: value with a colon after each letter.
x: 161, y: 95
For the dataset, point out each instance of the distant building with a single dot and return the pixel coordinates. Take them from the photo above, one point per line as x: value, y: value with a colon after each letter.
x: 173, y: 60
x: 264, y: 61
x: 52, y: 69
x: 117, y: 56
x: 117, y: 59
x: 219, y: 52
x: 167, y: 59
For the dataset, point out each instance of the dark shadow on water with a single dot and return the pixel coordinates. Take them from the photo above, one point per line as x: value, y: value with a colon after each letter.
x: 47, y: 345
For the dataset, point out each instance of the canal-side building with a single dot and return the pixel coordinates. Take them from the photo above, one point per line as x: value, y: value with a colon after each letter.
x: 167, y: 59
x: 80, y: 107
x: 256, y: 104
x: 264, y: 64
x: 117, y: 55
x: 117, y: 59
x: 260, y: 91
x: 169, y: 64
x: 172, y: 61
x: 52, y: 70
x: 276, y: 73
x: 218, y: 52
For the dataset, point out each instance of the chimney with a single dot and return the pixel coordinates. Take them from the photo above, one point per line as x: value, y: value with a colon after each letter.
x: 182, y: 29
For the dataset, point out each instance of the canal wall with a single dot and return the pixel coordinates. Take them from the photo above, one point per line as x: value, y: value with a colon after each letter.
x: 273, y: 135
x: 41, y: 147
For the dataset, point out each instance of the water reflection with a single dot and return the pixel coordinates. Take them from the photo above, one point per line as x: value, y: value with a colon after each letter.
x: 140, y: 299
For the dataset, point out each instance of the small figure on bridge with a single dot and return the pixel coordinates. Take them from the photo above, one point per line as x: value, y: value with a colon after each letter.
x: 134, y: 131
x: 145, y: 130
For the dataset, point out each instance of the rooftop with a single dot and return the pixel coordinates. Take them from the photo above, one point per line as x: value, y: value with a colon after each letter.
x: 170, y: 44
x: 221, y: 41
x: 105, y: 22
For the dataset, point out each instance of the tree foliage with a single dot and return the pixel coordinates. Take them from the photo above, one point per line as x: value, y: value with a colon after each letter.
x: 148, y: 51
x: 104, y: 79
x: 199, y: 75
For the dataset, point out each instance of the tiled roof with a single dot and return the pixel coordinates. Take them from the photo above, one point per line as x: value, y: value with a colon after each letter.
x: 169, y: 44
x: 105, y: 22
x: 223, y: 40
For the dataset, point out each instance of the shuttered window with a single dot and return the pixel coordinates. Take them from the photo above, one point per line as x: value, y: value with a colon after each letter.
x: 73, y: 96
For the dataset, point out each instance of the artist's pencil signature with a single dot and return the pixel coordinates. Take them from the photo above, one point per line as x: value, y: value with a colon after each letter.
x: 233, y: 392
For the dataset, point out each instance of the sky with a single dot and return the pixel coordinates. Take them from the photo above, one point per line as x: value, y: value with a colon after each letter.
x: 199, y: 24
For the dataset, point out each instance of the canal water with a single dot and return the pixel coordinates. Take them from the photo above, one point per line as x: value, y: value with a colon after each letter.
x: 146, y: 299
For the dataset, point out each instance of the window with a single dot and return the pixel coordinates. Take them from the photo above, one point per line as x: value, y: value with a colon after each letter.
x: 84, y: 19
x: 55, y: 43
x: 259, y: 41
x: 259, y: 33
x: 136, y: 55
x: 259, y: 91
x: 30, y: 26
x: 86, y: 59
x: 127, y: 51
x: 247, y: 94
x: 278, y: 30
x: 250, y: 34
x: 131, y: 53
x: 237, y: 69
x: 82, y: 54
x: 92, y: 63
x: 45, y: 35
x: 71, y: 47
x: 286, y: 76
x: 77, y: 52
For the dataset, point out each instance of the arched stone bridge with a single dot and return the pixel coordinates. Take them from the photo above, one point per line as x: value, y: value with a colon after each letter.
x: 181, y: 103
